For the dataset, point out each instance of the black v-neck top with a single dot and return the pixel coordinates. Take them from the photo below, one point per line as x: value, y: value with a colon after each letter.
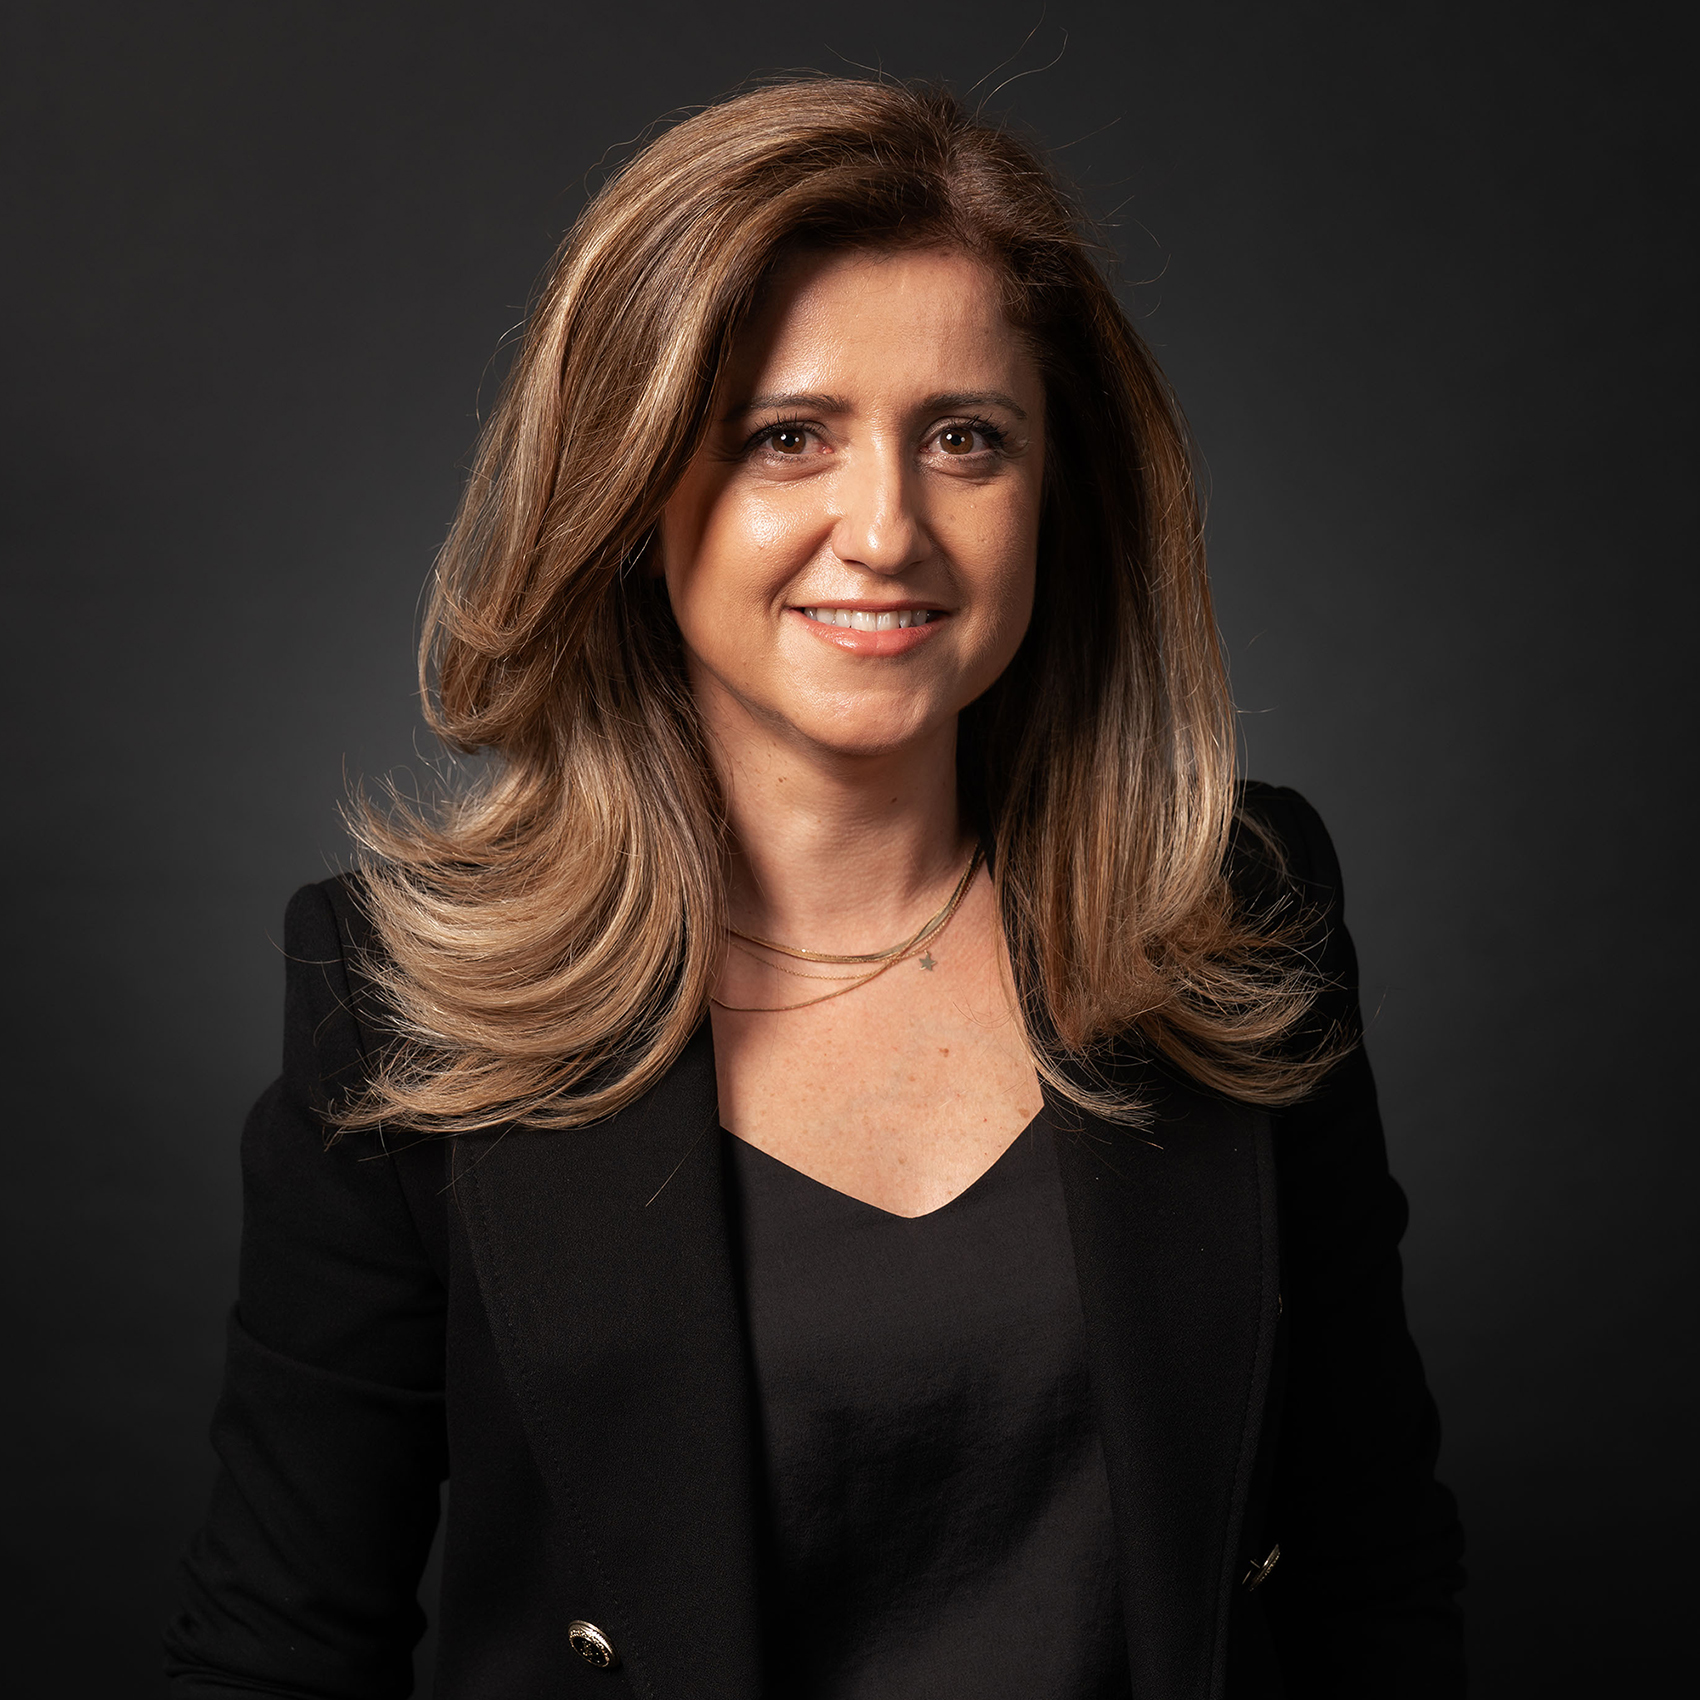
x: 938, y: 1512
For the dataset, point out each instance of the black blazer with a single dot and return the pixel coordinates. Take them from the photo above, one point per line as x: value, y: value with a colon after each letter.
x: 551, y: 1320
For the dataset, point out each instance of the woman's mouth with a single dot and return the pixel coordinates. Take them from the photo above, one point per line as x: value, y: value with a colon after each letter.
x: 871, y: 631
x: 871, y: 620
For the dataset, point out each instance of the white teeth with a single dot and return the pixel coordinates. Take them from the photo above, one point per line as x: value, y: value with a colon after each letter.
x: 861, y: 620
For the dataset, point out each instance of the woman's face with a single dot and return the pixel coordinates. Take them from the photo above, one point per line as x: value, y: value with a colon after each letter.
x: 851, y: 554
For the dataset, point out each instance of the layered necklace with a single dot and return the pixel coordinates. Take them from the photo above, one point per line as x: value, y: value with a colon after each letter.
x: 865, y: 968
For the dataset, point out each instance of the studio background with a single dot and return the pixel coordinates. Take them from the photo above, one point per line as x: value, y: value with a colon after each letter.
x: 1416, y: 274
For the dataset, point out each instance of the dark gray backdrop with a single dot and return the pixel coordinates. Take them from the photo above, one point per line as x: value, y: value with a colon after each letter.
x: 1415, y: 273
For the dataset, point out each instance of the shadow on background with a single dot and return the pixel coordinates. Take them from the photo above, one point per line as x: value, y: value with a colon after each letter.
x: 1415, y: 275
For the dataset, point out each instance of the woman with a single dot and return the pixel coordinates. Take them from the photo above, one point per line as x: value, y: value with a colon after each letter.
x: 848, y: 1145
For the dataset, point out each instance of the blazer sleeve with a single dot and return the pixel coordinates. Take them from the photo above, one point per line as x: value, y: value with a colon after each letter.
x: 303, y: 1579
x: 1362, y: 1601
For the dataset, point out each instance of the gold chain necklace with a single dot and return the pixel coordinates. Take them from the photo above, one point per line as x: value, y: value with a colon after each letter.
x: 878, y: 961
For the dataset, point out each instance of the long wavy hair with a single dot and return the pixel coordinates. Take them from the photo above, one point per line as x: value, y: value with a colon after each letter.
x: 549, y: 934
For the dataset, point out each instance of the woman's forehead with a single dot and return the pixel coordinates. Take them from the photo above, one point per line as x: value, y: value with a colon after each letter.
x: 833, y: 323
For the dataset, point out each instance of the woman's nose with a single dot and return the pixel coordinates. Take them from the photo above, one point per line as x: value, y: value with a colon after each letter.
x: 879, y: 527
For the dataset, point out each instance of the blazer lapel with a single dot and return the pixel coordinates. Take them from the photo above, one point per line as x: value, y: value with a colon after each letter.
x: 605, y: 1263
x: 1177, y: 1264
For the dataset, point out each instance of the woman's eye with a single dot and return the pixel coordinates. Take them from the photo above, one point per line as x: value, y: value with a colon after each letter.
x: 962, y: 440
x: 788, y: 439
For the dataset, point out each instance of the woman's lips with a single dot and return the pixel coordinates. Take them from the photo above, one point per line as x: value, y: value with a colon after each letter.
x: 894, y: 640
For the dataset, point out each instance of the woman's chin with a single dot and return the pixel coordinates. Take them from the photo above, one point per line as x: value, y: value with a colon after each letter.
x: 869, y: 735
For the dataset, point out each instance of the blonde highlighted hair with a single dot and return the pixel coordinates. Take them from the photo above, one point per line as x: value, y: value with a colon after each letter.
x: 550, y: 934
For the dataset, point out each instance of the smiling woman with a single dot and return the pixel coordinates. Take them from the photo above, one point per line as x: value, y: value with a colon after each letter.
x: 842, y: 492
x: 850, y: 1146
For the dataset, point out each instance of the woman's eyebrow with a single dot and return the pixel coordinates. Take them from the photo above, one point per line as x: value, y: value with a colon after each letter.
x: 949, y: 402
x: 956, y: 400
x: 798, y: 403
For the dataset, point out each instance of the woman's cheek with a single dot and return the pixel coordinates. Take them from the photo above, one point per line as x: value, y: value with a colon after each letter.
x: 767, y: 522
x: 1002, y: 555
x: 757, y: 541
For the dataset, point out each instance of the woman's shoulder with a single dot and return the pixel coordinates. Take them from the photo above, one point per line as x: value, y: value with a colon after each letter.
x: 1282, y: 865
x: 333, y: 1026
x: 1277, y: 828
x: 328, y: 918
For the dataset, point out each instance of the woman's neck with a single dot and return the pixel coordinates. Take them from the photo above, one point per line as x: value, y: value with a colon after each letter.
x: 839, y: 852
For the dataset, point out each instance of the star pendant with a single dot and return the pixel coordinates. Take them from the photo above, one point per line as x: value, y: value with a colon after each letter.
x: 928, y: 963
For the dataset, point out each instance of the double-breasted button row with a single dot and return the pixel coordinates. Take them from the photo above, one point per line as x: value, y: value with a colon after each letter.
x: 591, y: 1644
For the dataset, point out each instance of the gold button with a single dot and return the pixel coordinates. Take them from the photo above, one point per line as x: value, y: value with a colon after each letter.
x: 1258, y: 1573
x: 591, y: 1644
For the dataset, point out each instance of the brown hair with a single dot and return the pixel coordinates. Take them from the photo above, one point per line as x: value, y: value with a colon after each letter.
x: 551, y: 933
